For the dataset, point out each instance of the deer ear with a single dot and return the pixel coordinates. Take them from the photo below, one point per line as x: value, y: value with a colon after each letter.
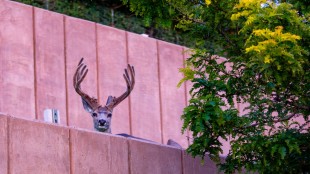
x: 110, y: 99
x: 87, y: 106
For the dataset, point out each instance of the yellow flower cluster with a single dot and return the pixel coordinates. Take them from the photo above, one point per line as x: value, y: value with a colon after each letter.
x: 188, y: 75
x: 236, y: 16
x: 267, y: 59
x: 270, y: 41
x: 247, y: 7
x: 208, y: 2
x: 277, y: 34
x: 249, y: 3
x: 262, y: 46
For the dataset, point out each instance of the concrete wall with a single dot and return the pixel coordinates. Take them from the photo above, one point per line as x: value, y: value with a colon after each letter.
x: 39, y: 53
x: 36, y: 147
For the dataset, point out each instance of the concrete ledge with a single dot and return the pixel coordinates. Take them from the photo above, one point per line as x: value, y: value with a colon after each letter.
x: 36, y: 147
x: 3, y: 145
x: 193, y: 165
x: 153, y: 158
x: 90, y: 152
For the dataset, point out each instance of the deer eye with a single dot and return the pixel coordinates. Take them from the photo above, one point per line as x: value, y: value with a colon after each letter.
x: 94, y: 114
x: 109, y: 115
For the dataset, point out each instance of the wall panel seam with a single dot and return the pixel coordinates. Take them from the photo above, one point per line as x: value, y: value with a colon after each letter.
x: 160, y: 96
x: 8, y: 144
x: 129, y: 156
x: 97, y: 64
x: 70, y: 152
x: 129, y: 97
x: 65, y: 68
x: 34, y: 65
x: 185, y: 93
x: 182, y: 161
x: 66, y: 92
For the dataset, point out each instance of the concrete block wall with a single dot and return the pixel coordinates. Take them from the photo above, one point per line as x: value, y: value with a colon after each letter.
x: 36, y: 147
x: 39, y: 53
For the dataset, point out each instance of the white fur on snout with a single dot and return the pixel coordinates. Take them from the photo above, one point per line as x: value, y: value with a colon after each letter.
x: 102, y: 116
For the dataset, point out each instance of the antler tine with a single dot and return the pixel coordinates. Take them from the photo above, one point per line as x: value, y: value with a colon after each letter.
x: 130, y: 81
x: 78, y: 77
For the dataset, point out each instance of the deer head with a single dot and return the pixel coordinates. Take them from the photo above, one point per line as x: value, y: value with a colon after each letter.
x: 101, y: 114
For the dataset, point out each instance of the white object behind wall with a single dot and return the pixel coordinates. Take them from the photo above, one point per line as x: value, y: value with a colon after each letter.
x: 52, y: 116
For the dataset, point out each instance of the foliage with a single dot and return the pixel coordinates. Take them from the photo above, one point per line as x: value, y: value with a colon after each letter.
x: 266, y: 45
x: 101, y: 11
x: 94, y: 10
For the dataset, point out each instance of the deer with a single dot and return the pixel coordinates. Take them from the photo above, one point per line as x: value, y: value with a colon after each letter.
x: 102, y: 115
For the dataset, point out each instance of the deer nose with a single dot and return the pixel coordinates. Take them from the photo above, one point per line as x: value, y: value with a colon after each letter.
x: 102, y: 122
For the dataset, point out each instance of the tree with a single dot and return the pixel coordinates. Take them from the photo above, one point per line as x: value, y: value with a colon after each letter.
x: 266, y: 46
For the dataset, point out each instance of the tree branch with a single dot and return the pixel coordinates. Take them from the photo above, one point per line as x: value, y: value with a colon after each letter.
x: 304, y: 125
x: 256, y: 124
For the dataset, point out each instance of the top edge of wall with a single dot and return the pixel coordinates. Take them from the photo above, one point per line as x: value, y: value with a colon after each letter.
x: 98, y: 24
x: 15, y: 3
x: 85, y: 130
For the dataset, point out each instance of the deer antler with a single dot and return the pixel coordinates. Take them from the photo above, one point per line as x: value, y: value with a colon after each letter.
x: 78, y: 77
x: 130, y: 81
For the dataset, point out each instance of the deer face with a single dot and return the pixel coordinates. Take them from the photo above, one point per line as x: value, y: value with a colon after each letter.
x: 102, y: 120
x: 101, y: 115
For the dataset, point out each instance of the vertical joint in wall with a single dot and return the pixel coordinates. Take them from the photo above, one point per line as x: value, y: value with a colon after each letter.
x: 129, y: 97
x: 8, y: 144
x: 66, y: 73
x: 160, y: 97
x: 34, y: 64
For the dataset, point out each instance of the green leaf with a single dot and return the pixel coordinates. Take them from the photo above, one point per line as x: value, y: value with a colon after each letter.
x: 206, y: 117
x: 282, y: 151
x: 220, y: 120
x: 212, y: 103
x: 274, y: 149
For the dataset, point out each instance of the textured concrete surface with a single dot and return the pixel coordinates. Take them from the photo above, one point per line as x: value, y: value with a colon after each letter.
x: 80, y: 41
x: 3, y: 144
x: 153, y: 158
x: 95, y: 153
x: 16, y: 60
x: 194, y: 166
x: 119, y: 151
x: 112, y: 60
x: 38, y: 148
x: 50, y: 63
x: 172, y: 98
x: 90, y: 152
x: 145, y: 102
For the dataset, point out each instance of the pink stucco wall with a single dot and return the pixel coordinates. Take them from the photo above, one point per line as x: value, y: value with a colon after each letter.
x: 17, y: 87
x: 39, y: 52
x: 36, y: 147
